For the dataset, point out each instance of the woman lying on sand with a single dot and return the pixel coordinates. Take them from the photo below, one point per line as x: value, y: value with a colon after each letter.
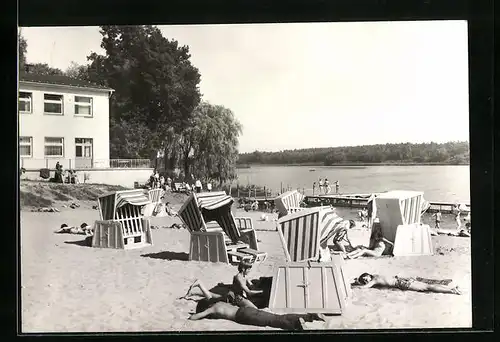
x: 367, y: 280
x: 253, y: 316
x: 84, y: 229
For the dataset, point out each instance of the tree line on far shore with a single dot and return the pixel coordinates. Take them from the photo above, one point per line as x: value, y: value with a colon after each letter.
x: 450, y: 153
x: 156, y: 108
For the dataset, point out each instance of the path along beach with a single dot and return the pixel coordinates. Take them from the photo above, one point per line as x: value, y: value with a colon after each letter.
x: 69, y: 287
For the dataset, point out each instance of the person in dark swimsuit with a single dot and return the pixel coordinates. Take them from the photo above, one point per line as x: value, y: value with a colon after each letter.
x: 253, y: 316
x: 367, y: 280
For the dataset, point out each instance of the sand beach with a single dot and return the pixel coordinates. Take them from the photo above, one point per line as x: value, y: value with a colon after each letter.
x: 69, y: 287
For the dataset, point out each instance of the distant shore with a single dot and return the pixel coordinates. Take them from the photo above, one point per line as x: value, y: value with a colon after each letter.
x: 247, y: 166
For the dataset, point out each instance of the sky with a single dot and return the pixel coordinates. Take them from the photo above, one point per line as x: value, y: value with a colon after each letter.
x: 305, y: 85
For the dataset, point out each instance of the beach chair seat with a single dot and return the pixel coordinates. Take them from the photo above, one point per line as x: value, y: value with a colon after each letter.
x: 208, y: 217
x: 121, y: 224
x: 289, y: 202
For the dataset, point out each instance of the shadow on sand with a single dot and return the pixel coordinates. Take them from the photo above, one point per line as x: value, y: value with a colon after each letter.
x: 81, y: 243
x: 166, y: 255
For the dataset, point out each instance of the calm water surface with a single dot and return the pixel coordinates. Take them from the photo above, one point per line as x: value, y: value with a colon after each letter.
x: 447, y: 183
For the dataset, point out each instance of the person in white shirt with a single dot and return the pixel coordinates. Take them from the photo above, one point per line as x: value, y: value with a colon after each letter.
x: 209, y: 187
x: 327, y: 186
x: 198, y: 186
x: 320, y: 185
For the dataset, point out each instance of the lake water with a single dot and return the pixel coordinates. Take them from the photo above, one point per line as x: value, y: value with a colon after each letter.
x: 446, y: 183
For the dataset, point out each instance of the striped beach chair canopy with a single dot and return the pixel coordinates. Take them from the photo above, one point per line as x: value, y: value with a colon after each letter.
x: 201, y: 208
x: 109, y: 203
x: 303, y: 232
x: 287, y: 200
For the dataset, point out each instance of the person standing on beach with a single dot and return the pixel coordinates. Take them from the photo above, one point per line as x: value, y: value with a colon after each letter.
x: 437, y: 217
x: 198, y: 186
x: 337, y: 187
x: 371, y: 211
x: 314, y: 187
x: 327, y: 186
x: 320, y: 185
x: 456, y: 212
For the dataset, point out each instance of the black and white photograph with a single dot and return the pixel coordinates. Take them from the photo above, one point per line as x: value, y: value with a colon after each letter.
x: 243, y: 177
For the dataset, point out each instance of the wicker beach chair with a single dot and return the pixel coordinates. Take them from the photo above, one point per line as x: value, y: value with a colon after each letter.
x: 155, y: 196
x: 305, y: 234
x: 216, y: 235
x: 311, y: 280
x: 122, y: 225
x: 399, y: 215
x: 288, y: 202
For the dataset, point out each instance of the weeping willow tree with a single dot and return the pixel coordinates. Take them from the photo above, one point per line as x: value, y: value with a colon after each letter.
x: 209, y: 145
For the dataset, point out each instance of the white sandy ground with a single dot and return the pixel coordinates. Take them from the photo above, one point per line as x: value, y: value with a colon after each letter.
x: 67, y: 287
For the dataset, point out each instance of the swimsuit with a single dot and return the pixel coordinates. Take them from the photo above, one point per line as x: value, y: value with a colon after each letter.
x: 404, y: 283
x: 234, y: 299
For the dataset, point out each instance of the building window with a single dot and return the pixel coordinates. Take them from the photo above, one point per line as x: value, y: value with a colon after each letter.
x: 53, y: 104
x: 25, y: 100
x: 26, y: 147
x: 83, y: 105
x: 54, y: 147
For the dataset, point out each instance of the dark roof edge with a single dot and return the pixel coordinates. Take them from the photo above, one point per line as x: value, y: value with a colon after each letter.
x: 95, y: 87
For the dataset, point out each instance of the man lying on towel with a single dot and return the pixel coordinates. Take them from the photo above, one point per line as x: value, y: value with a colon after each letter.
x: 367, y: 280
x: 252, y: 316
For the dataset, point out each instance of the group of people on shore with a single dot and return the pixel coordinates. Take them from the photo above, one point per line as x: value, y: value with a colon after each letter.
x: 324, y: 186
x: 457, y: 212
x: 157, y: 181
x: 64, y: 176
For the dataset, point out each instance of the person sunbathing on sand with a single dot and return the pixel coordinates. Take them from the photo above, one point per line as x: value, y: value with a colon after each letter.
x: 367, y: 280
x: 376, y: 249
x: 253, y: 316
x: 84, y: 229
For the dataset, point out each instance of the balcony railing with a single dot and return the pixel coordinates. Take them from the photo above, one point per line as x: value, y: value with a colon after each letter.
x: 84, y: 163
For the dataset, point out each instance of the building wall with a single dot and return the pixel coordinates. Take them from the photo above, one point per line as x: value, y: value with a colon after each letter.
x: 69, y: 126
x: 123, y: 177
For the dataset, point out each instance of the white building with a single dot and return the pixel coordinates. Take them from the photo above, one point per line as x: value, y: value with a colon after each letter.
x: 63, y: 120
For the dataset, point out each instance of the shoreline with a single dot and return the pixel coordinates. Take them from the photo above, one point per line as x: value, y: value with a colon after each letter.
x: 249, y: 166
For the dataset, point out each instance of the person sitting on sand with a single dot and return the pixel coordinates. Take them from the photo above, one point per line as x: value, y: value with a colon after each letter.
x: 340, y: 239
x: 212, y: 297
x: 242, y: 287
x: 254, y: 316
x: 367, y: 280
x: 376, y: 249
